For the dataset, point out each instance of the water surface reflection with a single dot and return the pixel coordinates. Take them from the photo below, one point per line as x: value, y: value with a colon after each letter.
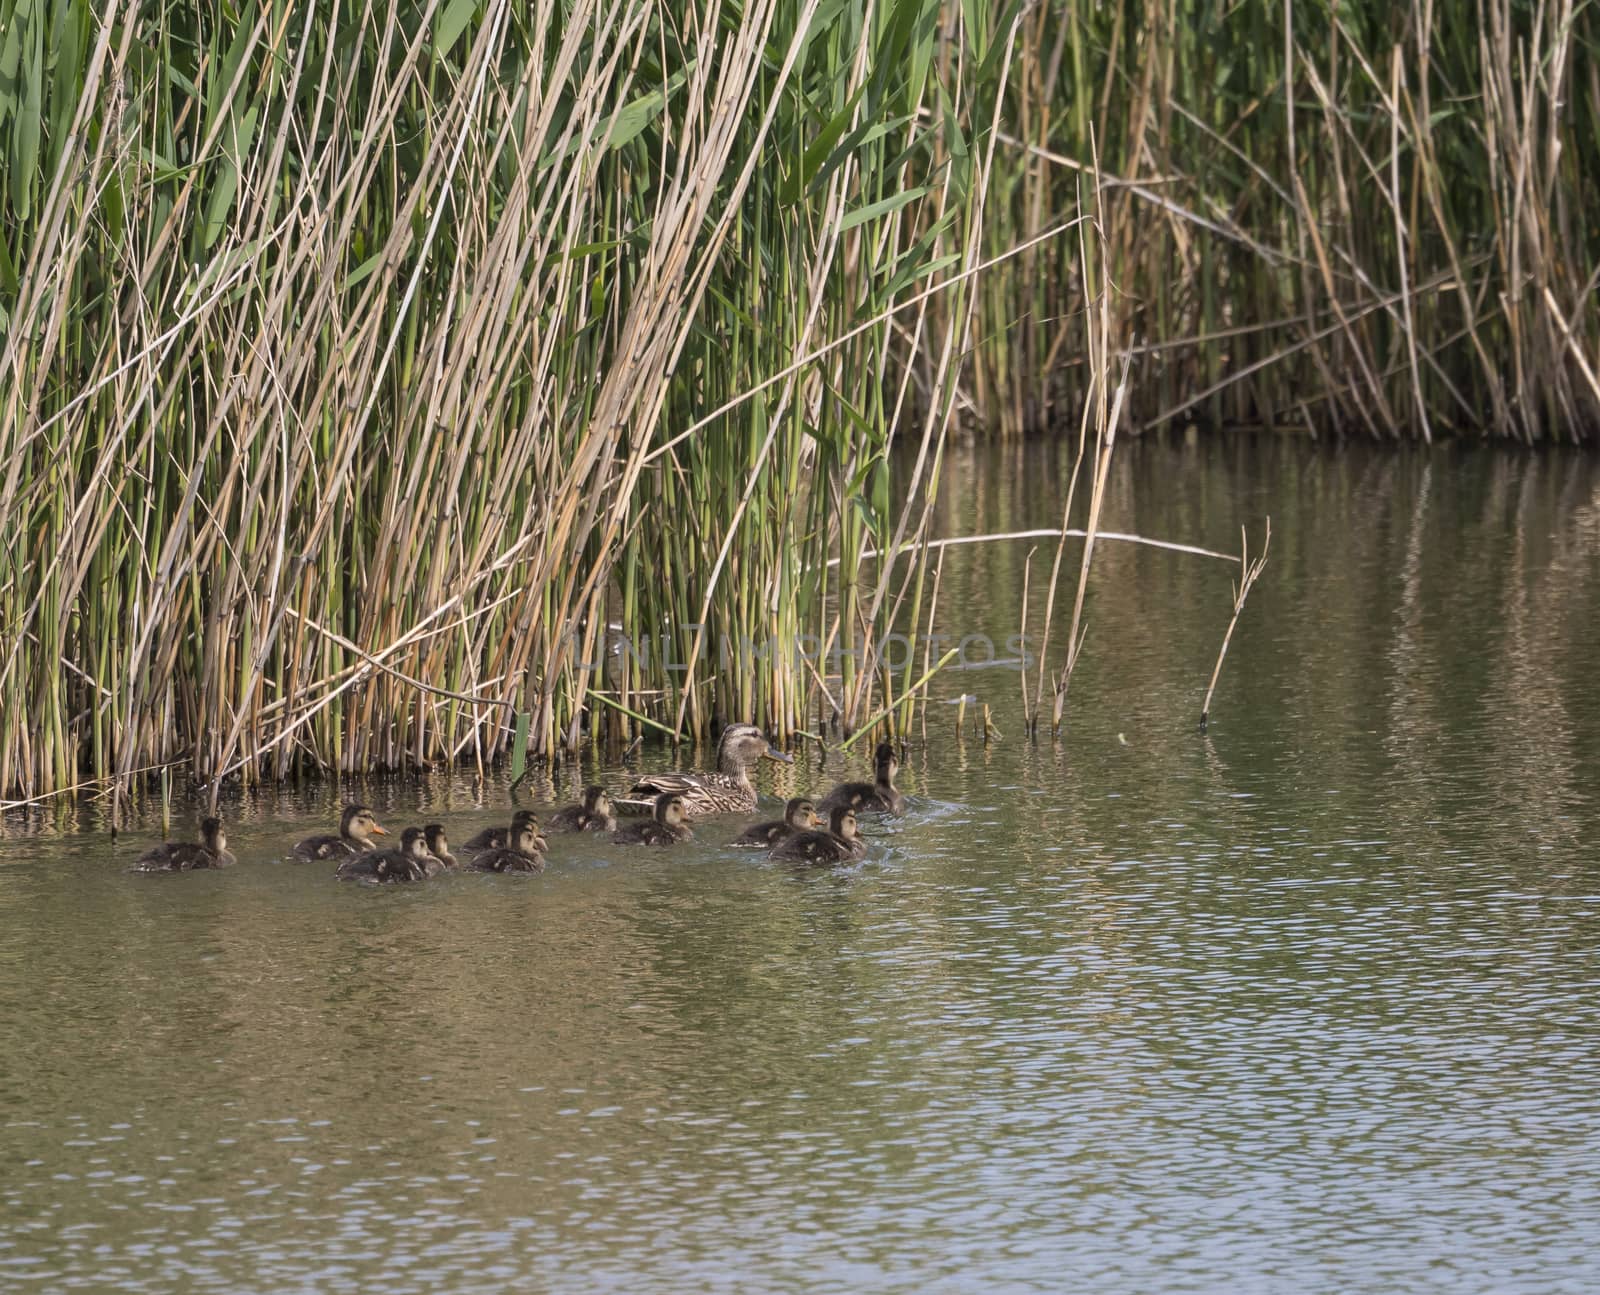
x: 1308, y: 1001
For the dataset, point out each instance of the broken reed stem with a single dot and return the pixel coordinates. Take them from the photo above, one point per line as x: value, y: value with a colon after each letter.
x: 1249, y: 572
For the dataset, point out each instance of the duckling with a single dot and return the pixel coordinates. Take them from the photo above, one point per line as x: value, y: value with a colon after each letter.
x: 407, y: 863
x: 839, y: 844
x: 881, y: 795
x: 594, y: 815
x: 357, y: 826
x: 798, y: 815
x: 522, y: 855
x: 666, y: 828
x: 500, y: 838
x: 729, y: 790
x: 210, y: 851
x: 440, y: 858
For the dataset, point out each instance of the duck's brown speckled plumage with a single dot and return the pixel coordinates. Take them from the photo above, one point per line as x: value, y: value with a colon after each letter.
x: 728, y: 790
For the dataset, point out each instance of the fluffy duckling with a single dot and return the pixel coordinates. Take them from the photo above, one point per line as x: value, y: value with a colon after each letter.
x: 407, y: 863
x: 594, y: 815
x: 357, y: 826
x: 799, y: 815
x: 729, y: 790
x: 210, y: 851
x: 880, y: 795
x: 666, y: 828
x: 522, y: 855
x: 501, y: 838
x: 439, y: 857
x: 839, y: 844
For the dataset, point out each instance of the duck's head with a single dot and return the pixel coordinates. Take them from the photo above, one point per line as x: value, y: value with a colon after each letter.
x: 525, y: 818
x: 360, y: 823
x: 800, y: 814
x: 669, y: 809
x: 742, y: 745
x: 438, y: 842
x: 843, y: 823
x: 887, y: 762
x: 212, y: 836
x: 596, y: 801
x: 525, y: 838
x: 414, y: 842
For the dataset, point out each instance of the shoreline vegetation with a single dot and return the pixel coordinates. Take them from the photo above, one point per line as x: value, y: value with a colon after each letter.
x: 367, y: 369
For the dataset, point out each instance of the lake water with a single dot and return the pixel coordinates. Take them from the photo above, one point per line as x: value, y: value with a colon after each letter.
x: 1309, y: 1002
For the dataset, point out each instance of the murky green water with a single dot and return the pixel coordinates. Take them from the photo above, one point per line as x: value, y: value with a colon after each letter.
x: 1309, y: 1003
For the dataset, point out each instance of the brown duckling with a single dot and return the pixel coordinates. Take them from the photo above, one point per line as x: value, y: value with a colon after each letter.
x: 799, y: 815
x: 594, y: 815
x: 439, y: 857
x: 407, y: 863
x: 210, y: 851
x: 839, y: 844
x: 357, y: 826
x: 729, y: 790
x: 501, y: 838
x: 522, y: 855
x: 666, y: 828
x: 879, y: 795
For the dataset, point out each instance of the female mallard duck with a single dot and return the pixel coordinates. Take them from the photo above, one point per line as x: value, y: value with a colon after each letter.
x: 409, y: 862
x: 210, y: 851
x: 799, y: 815
x: 357, y: 827
x: 839, y: 844
x: 729, y: 790
x: 666, y: 828
x: 594, y: 815
x: 522, y: 855
x: 501, y: 838
x: 882, y: 794
x: 439, y: 857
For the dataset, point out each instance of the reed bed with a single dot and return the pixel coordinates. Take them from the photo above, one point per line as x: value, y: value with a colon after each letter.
x: 378, y: 375
x: 380, y: 381
x: 1326, y: 219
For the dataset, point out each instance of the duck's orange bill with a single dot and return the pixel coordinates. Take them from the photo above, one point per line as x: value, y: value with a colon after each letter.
x: 381, y: 831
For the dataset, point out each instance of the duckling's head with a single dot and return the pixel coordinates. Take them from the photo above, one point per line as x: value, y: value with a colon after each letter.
x: 212, y: 836
x: 438, y: 842
x: 525, y: 838
x: 669, y: 809
x: 360, y: 823
x: 887, y: 761
x: 414, y: 842
x: 596, y: 801
x: 800, y: 814
x: 742, y: 745
x: 525, y: 818
x: 843, y: 823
